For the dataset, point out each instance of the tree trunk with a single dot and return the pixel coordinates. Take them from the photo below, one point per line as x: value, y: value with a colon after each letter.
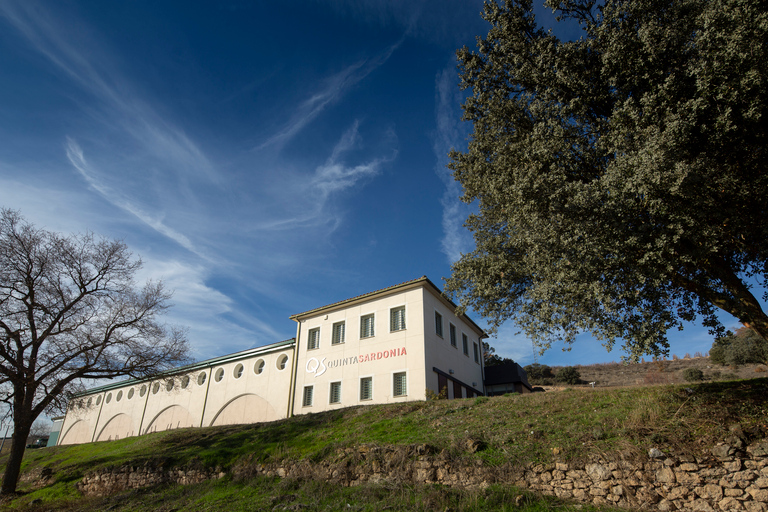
x: 13, y: 466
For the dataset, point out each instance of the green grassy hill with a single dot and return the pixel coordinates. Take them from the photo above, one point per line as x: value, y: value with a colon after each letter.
x: 572, y: 425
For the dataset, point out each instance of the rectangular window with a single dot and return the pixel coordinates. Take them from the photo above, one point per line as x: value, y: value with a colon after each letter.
x: 338, y: 333
x: 397, y: 319
x: 477, y: 356
x: 335, y: 395
x: 438, y: 324
x: 366, y: 388
x: 307, y: 399
x: 314, y: 339
x: 465, y: 344
x: 399, y: 384
x: 366, y: 326
x: 452, y: 332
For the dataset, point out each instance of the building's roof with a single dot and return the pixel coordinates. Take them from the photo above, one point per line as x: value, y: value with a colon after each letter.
x: 413, y: 283
x: 244, y: 354
x: 506, y: 373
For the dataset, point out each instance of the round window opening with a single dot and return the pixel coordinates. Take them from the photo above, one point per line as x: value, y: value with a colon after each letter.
x: 130, y: 393
x: 143, y: 390
x: 109, y: 397
x: 185, y: 382
x: 219, y: 374
x: 258, y: 368
x: 169, y: 385
x: 238, y: 371
x: 90, y: 401
x: 155, y: 388
x: 201, y: 379
x: 98, y: 400
x: 119, y: 396
x: 282, y: 362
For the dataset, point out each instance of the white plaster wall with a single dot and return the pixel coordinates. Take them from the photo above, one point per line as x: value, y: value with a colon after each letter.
x: 356, y: 357
x: 442, y: 355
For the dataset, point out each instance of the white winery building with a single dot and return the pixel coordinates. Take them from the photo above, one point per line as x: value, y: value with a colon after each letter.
x: 391, y: 345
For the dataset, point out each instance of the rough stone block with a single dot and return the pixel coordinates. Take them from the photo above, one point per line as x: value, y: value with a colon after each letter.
x: 710, y: 491
x: 701, y: 506
x: 757, y: 494
x: 665, y: 476
x: 729, y: 504
x: 598, y: 472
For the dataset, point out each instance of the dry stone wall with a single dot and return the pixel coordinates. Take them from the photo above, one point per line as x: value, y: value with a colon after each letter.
x: 733, y: 478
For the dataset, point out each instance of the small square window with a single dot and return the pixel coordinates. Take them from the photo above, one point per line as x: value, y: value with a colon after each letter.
x: 452, y: 332
x: 399, y: 384
x: 465, y: 344
x: 307, y: 398
x: 366, y: 388
x: 477, y: 356
x: 438, y: 324
x: 335, y: 395
x: 338, y: 333
x: 314, y: 339
x: 366, y: 326
x: 397, y: 319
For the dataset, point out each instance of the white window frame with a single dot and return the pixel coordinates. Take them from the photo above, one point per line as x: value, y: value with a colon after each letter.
x: 307, y: 396
x: 363, y: 320
x: 404, y: 373
x: 338, y: 332
x: 394, y: 326
x: 313, y: 338
x: 439, y: 323
x: 369, y: 378
x: 337, y: 386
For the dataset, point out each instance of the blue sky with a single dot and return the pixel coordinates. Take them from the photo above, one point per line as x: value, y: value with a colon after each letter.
x: 263, y: 158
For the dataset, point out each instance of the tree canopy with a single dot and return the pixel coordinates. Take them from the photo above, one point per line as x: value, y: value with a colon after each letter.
x: 69, y: 310
x: 620, y: 179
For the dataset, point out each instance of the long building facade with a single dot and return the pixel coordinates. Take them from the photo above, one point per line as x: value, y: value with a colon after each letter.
x: 393, y: 345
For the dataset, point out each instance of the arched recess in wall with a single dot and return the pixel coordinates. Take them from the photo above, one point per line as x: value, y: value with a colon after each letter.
x: 118, y: 427
x: 247, y: 408
x: 78, y: 433
x: 174, y: 416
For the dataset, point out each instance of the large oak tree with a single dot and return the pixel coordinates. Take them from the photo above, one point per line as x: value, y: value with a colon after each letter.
x: 69, y: 310
x: 620, y: 179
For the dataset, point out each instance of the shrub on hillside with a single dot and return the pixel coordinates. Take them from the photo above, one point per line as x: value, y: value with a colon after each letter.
x: 693, y: 374
x: 568, y: 375
x: 540, y: 374
x: 742, y: 347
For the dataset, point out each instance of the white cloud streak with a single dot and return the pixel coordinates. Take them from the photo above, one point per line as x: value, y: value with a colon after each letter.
x: 78, y: 161
x: 332, y: 90
x: 87, y: 65
x: 449, y: 135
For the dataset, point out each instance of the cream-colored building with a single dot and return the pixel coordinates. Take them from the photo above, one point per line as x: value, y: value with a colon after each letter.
x: 387, y: 346
x: 392, y: 345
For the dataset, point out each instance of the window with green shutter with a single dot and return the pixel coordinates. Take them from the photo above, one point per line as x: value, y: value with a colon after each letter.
x: 397, y: 319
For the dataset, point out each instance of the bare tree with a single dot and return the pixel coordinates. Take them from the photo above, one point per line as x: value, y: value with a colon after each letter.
x: 70, y: 310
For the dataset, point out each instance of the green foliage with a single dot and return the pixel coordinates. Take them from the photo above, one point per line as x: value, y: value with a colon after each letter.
x: 568, y: 375
x: 693, y: 374
x: 620, y: 178
x: 442, y: 395
x: 743, y: 347
x: 539, y: 373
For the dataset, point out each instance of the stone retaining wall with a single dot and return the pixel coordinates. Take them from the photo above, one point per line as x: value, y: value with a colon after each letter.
x: 734, y: 477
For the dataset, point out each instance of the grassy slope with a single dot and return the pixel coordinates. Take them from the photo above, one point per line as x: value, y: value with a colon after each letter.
x: 574, y: 423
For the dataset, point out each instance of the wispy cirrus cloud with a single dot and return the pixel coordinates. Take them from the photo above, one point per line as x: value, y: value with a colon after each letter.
x: 86, y: 61
x: 450, y: 135
x: 333, y: 177
x: 90, y: 175
x: 333, y: 89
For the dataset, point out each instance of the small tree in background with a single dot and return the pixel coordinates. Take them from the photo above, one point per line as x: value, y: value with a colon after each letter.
x: 568, y: 375
x: 742, y: 347
x: 539, y: 373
